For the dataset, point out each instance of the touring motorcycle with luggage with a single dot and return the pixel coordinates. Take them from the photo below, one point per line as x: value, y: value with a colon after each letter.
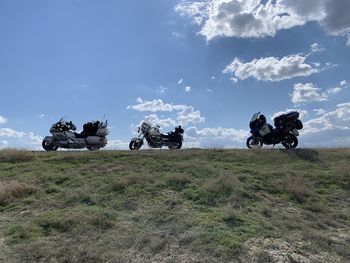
x: 286, y: 130
x: 93, y: 136
x: 155, y: 138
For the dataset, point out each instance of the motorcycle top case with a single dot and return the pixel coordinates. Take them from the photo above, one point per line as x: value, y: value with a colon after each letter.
x: 286, y: 118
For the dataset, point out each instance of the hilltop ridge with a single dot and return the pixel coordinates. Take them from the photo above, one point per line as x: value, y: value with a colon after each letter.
x: 187, y: 205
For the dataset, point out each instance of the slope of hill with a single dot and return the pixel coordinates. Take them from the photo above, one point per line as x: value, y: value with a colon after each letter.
x: 175, y: 206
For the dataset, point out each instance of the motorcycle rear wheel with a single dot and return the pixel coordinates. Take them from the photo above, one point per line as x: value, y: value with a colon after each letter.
x: 254, y: 143
x: 176, y: 145
x: 135, y: 145
x: 291, y: 142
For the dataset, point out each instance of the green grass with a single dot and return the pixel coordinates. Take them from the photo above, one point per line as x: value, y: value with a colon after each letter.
x: 175, y: 206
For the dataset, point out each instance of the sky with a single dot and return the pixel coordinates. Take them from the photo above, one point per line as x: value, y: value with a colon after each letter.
x: 206, y: 65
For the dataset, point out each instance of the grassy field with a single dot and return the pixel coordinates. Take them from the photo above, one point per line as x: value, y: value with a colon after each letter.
x: 175, y: 206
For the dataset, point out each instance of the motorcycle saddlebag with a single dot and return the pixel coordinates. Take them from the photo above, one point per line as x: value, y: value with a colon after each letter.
x: 265, y: 130
x: 94, y: 139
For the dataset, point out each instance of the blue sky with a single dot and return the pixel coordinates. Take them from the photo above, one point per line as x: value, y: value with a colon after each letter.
x: 208, y: 65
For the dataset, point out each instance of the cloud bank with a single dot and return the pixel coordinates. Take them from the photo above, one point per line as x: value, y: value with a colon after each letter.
x: 258, y: 19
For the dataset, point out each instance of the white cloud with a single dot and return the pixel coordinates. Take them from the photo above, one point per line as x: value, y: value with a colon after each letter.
x: 189, y: 116
x: 215, y: 137
x: 3, y: 144
x: 155, y: 120
x: 116, y: 145
x: 309, y: 92
x: 320, y: 111
x: 162, y: 89
x: 339, y: 119
x: 34, y: 139
x: 333, y: 90
x: 178, y: 35
x: 337, y: 20
x: 196, y: 10
x: 348, y: 42
x: 271, y: 68
x: 40, y: 116
x: 8, y: 132
x: 302, y: 113
x: 180, y: 81
x: 209, y: 90
x: 184, y: 114
x: 305, y: 93
x: 315, y: 47
x: 155, y: 106
x: 257, y: 19
x: 25, y: 138
x: 236, y: 18
x: 3, y: 120
x: 343, y: 83
x: 187, y: 88
x: 234, y: 80
x: 213, y: 77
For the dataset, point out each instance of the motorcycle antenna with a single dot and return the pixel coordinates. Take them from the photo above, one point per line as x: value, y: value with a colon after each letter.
x: 104, y: 117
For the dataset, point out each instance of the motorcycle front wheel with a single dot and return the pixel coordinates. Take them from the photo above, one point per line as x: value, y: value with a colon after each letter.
x: 290, y: 142
x: 135, y: 145
x: 49, y: 146
x: 176, y: 145
x: 254, y: 143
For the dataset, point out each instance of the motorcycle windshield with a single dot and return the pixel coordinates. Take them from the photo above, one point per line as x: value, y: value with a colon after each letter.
x: 255, y: 116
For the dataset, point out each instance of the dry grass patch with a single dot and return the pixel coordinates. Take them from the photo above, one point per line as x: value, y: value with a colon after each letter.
x: 179, y: 181
x: 10, y: 190
x: 16, y: 156
x: 298, y: 188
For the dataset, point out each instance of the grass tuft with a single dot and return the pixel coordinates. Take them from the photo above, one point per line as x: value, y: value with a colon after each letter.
x: 11, y: 190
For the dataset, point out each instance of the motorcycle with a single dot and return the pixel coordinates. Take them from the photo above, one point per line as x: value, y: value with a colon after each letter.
x: 93, y: 136
x: 155, y: 138
x: 286, y: 130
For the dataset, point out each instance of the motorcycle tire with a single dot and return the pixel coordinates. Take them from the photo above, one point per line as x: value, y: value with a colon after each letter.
x: 133, y: 145
x: 176, y: 145
x: 93, y: 148
x: 48, y: 146
x: 290, y: 142
x: 254, y: 143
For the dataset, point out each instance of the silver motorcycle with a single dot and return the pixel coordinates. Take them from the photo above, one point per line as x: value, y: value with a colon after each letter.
x: 93, y: 136
x: 155, y: 138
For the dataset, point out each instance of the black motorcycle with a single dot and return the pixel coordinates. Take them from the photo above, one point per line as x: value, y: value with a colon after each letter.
x: 156, y: 139
x: 286, y: 130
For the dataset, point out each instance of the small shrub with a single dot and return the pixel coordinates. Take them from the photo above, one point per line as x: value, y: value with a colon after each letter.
x: 101, y: 221
x: 125, y: 182
x: 11, y: 190
x: 218, y: 189
x: 21, y: 233
x: 296, y: 187
x: 233, y: 218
